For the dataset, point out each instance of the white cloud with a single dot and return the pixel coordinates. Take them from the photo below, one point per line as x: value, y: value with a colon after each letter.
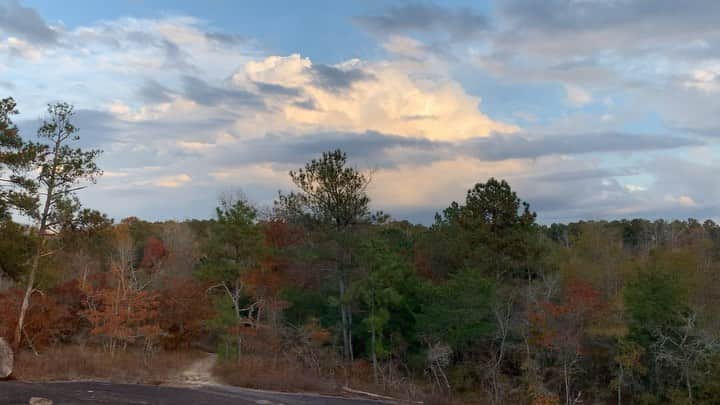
x: 682, y: 200
x: 173, y: 181
x: 388, y: 99
x: 634, y: 188
x: 17, y: 47
x: 195, y: 146
x: 706, y: 79
x: 577, y: 96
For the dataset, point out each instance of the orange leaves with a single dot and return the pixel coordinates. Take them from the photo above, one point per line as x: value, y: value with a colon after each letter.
x: 318, y: 335
x: 280, y: 235
x: 562, y: 325
x: 121, y: 314
x: 262, y: 282
x: 153, y: 253
x: 184, y: 310
x: 583, y: 299
x: 546, y: 399
x: 48, y: 319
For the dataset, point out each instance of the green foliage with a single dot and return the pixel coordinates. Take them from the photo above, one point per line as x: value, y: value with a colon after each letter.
x: 17, y: 244
x: 17, y: 190
x: 709, y: 387
x: 458, y: 311
x: 61, y: 167
x: 387, y: 293
x: 223, y: 323
x: 234, y: 245
x: 332, y: 193
x: 653, y: 302
x: 234, y: 248
x: 307, y: 304
x: 494, y: 232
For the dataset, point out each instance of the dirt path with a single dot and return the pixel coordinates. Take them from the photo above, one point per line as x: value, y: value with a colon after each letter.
x: 199, y: 372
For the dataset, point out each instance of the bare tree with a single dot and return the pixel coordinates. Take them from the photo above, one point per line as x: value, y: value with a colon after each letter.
x: 685, y: 349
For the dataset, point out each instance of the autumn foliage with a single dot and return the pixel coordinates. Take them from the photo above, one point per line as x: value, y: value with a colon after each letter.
x: 120, y: 315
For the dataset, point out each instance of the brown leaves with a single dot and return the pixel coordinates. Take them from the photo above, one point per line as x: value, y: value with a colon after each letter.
x: 49, y: 319
x: 153, y: 253
x: 561, y: 325
x: 120, y: 314
x: 184, y: 310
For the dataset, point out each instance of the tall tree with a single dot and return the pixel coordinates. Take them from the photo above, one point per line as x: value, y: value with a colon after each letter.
x: 333, y: 199
x: 15, y: 156
x: 234, y: 248
x: 61, y: 171
x: 385, y: 292
x: 490, y: 231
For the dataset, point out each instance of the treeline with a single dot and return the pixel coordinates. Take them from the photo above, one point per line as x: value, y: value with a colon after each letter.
x: 485, y: 304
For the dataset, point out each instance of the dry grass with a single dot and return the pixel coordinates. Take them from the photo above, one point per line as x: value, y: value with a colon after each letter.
x: 262, y: 373
x: 73, y: 363
x: 85, y: 363
x: 283, y: 374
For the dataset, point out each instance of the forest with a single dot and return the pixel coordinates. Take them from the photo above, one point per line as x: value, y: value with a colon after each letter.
x: 485, y: 305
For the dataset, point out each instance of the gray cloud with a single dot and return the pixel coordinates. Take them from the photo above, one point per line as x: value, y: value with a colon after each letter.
x: 562, y: 28
x: 202, y: 93
x: 25, y: 22
x: 581, y: 175
x: 154, y: 92
x: 460, y: 23
x: 308, y: 104
x: 369, y: 147
x: 176, y: 58
x: 710, y: 132
x: 678, y: 19
x: 502, y: 147
x: 373, y: 148
x: 226, y: 39
x: 271, y: 89
x: 336, y: 79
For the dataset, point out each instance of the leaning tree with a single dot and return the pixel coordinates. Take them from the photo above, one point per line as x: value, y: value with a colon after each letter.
x: 61, y: 172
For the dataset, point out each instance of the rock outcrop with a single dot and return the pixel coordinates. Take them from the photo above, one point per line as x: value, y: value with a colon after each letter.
x: 6, y: 359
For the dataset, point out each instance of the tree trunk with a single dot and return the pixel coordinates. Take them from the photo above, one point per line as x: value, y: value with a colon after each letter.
x: 348, y: 309
x: 688, y: 385
x: 36, y: 259
x: 239, y: 346
x: 619, y: 387
x: 6, y: 359
x: 346, y: 322
x: 28, y: 292
x: 567, y: 383
x: 374, y: 353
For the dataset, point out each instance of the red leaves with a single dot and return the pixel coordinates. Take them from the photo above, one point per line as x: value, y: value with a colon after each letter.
x: 562, y: 325
x: 120, y: 314
x: 280, y: 234
x: 153, y: 253
x: 184, y: 310
x: 50, y: 317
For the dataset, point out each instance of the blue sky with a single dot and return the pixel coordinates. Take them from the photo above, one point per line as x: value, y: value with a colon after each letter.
x: 590, y: 109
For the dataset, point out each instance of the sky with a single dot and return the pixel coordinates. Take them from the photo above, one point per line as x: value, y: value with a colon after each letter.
x: 589, y: 109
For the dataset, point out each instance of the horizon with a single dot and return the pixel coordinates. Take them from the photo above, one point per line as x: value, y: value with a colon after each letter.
x: 190, y: 101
